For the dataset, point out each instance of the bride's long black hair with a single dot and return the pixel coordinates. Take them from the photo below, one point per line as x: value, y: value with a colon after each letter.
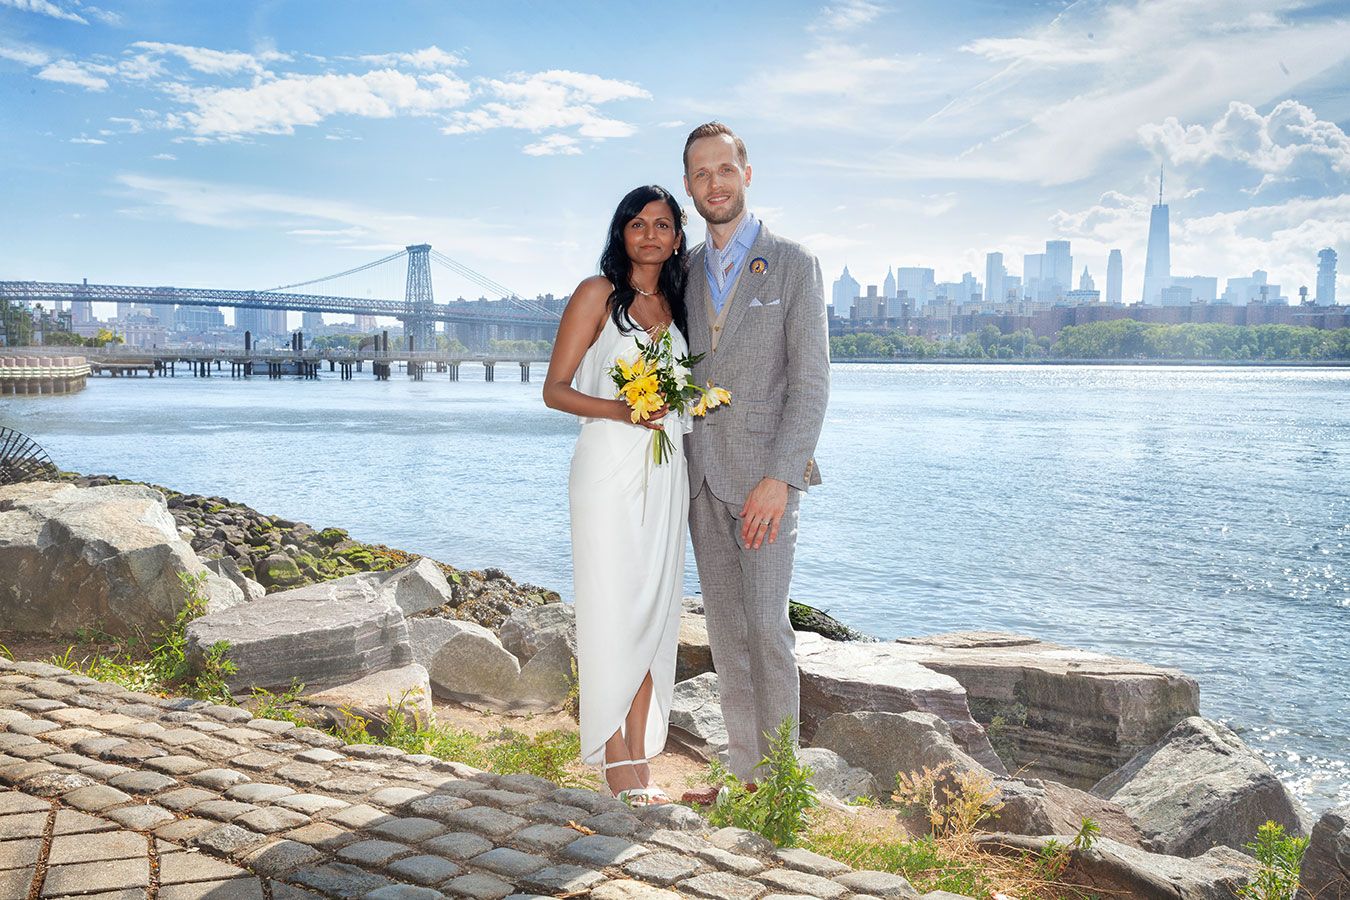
x: 618, y: 268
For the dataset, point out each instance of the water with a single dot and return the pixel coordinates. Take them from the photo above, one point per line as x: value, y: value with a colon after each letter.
x: 1186, y: 517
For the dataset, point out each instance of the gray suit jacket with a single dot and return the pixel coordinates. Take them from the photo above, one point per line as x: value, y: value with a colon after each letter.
x: 773, y: 354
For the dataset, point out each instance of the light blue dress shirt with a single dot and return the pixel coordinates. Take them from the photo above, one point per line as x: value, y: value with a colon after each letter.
x: 720, y: 278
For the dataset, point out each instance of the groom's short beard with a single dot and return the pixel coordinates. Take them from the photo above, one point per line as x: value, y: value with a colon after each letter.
x: 721, y: 215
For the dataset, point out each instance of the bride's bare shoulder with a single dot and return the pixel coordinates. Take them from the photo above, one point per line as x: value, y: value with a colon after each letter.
x: 593, y: 290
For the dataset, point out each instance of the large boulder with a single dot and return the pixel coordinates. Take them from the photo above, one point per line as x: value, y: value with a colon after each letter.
x: 108, y: 557
x: 831, y: 774
x: 693, y: 657
x: 1325, y: 874
x: 546, y: 680
x: 696, y: 717
x: 473, y: 667
x: 1037, y: 807
x: 416, y: 587
x: 427, y: 634
x: 846, y: 677
x: 226, y: 567
x: 321, y: 635
x: 1065, y: 714
x: 1200, y: 787
x: 527, y: 631
x: 1115, y: 870
x: 886, y: 743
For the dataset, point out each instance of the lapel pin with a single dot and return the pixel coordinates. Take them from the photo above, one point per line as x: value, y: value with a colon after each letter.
x: 759, y: 265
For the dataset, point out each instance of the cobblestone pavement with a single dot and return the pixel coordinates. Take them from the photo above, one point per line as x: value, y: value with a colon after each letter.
x: 116, y: 795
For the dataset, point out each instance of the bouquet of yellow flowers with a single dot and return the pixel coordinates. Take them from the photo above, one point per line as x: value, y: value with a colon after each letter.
x: 656, y: 378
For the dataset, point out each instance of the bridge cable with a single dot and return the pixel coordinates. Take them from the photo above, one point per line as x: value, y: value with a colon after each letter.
x: 499, y: 289
x: 371, y: 265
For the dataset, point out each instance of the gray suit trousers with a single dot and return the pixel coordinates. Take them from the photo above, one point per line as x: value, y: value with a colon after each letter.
x: 745, y: 597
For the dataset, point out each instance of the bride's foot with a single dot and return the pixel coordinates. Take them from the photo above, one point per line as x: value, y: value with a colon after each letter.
x: 643, y: 770
x: 621, y: 776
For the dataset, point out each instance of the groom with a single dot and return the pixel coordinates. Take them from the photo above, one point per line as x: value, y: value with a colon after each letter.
x: 756, y: 307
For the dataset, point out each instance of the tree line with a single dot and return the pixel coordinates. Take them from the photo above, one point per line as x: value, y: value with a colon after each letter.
x: 1118, y: 339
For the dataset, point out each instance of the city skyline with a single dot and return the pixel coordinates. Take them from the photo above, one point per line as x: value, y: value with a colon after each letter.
x: 251, y: 149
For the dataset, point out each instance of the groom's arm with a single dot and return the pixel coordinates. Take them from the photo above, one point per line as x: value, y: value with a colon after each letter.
x: 807, y: 333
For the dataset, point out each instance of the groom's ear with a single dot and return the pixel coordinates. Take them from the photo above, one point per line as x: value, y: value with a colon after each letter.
x: 747, y: 174
x: 687, y: 192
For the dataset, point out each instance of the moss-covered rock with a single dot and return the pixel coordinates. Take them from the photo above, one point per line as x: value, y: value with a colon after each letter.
x: 808, y: 618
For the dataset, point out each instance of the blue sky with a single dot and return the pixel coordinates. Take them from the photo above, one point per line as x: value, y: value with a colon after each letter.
x: 252, y: 144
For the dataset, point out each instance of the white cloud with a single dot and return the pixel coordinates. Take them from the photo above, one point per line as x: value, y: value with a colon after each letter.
x: 277, y: 106
x: 82, y: 75
x: 673, y: 123
x: 45, y: 8
x: 556, y: 99
x: 168, y: 156
x: 847, y: 15
x: 28, y: 56
x: 130, y: 126
x: 214, y: 62
x: 107, y: 17
x: 428, y: 59
x: 1289, y: 144
x: 553, y: 145
x: 85, y: 140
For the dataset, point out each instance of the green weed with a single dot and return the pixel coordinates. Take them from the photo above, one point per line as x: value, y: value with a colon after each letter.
x: 1280, y: 856
x: 778, y: 807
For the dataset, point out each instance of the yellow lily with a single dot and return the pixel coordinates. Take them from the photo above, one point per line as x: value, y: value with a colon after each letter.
x: 716, y: 396
x: 701, y: 407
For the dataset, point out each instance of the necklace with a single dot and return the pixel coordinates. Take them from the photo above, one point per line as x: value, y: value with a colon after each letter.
x: 642, y: 292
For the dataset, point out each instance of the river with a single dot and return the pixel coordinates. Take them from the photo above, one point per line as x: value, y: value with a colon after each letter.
x: 1188, y: 517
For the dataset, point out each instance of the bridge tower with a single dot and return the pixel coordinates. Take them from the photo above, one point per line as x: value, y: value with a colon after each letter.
x: 417, y: 323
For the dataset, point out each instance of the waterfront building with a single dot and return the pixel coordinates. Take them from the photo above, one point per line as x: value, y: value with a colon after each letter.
x: 311, y: 323
x: 1083, y: 296
x: 1203, y: 288
x: 918, y: 283
x: 994, y: 273
x: 1115, y: 271
x: 845, y: 289
x: 866, y: 306
x: 888, y: 288
x: 1326, y: 277
x: 1158, y: 263
x: 1256, y: 289
x: 82, y: 312
x: 970, y: 289
x: 365, y: 324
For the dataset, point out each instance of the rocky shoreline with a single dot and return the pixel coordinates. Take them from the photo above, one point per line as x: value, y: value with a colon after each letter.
x: 1084, y: 735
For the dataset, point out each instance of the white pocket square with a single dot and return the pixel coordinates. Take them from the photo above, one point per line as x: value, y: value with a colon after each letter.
x: 758, y: 302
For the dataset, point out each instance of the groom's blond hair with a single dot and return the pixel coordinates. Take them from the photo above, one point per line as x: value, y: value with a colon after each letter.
x: 713, y: 129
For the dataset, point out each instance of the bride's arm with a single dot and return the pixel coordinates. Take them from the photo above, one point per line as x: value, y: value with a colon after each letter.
x: 580, y: 326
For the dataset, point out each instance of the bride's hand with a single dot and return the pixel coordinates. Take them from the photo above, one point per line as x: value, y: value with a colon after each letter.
x: 654, y: 418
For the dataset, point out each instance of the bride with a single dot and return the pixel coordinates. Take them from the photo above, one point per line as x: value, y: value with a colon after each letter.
x: 628, y: 513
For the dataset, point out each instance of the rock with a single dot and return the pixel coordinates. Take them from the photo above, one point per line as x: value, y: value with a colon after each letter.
x: 221, y: 593
x: 696, y: 716
x: 1325, y: 874
x: 1113, y: 869
x: 546, y: 680
x: 106, y: 557
x: 472, y: 667
x: 321, y: 635
x: 416, y: 587
x: 278, y: 570
x: 886, y: 743
x: 1070, y: 715
x: 406, y: 688
x: 831, y: 774
x: 1034, y: 807
x: 226, y: 567
x: 810, y: 619
x: 844, y: 677
x: 1200, y: 787
x: 694, y: 654
x: 427, y: 634
x: 527, y: 631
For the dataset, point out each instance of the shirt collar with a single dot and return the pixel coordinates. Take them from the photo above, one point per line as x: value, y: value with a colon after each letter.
x: 742, y: 237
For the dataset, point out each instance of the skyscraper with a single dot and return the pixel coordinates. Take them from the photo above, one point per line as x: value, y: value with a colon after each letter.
x: 919, y: 284
x: 1115, y: 270
x: 1326, y: 277
x: 1058, y: 273
x: 1158, y: 264
x: 846, y: 288
x: 1033, y: 270
x: 888, y: 287
x: 994, y: 290
x: 1085, y: 282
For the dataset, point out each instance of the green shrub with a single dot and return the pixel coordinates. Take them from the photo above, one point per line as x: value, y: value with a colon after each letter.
x: 784, y: 795
x: 1280, y: 856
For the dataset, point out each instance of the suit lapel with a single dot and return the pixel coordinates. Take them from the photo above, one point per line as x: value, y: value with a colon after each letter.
x: 746, y: 286
x: 696, y: 302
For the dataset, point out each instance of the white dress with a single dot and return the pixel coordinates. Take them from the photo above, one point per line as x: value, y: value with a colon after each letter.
x: 627, y: 561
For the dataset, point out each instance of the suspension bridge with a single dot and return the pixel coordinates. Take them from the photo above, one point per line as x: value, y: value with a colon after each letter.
x: 474, y: 323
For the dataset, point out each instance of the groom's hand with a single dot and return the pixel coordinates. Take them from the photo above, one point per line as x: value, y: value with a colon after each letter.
x: 761, y: 512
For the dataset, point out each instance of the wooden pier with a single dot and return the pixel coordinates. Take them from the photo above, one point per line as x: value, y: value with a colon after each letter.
x: 306, y: 364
